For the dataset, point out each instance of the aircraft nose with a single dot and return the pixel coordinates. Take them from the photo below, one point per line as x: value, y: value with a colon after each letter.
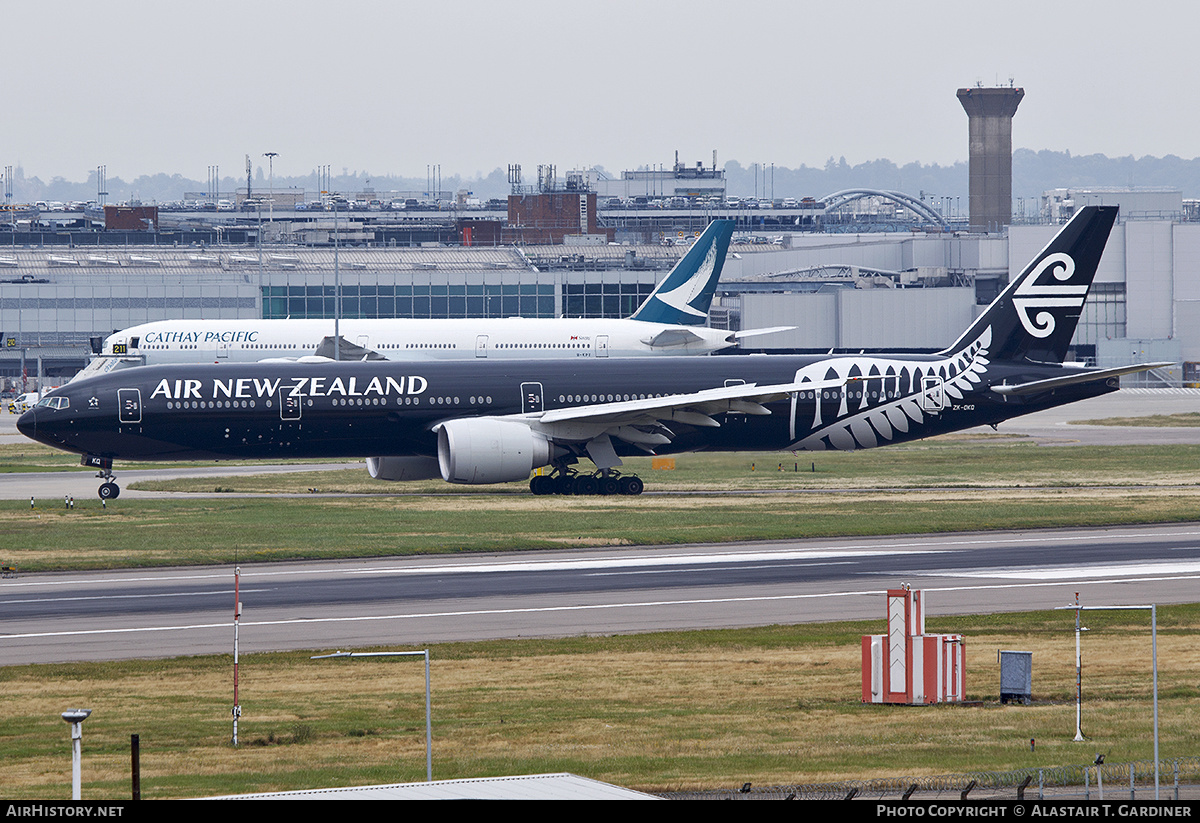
x: 27, y: 424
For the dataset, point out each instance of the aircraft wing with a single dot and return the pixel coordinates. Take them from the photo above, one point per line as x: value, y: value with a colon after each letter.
x: 644, y: 422
x: 1036, y: 386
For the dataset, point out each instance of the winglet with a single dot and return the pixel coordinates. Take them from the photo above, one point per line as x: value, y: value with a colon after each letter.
x: 684, y: 295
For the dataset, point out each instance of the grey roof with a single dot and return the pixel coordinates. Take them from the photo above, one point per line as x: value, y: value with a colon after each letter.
x: 39, y: 262
x: 561, y: 786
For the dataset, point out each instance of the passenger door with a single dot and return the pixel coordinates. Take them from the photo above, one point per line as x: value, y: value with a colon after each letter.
x: 129, y: 405
x: 289, y: 407
x: 531, y: 398
x: 933, y: 396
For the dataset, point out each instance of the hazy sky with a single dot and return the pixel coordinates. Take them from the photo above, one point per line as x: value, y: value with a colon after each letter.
x: 147, y: 86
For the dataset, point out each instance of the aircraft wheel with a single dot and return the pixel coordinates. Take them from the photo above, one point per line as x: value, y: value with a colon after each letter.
x: 585, y: 484
x: 609, y: 485
x: 564, y: 484
x: 541, y: 484
x: 109, y: 491
x: 632, y: 485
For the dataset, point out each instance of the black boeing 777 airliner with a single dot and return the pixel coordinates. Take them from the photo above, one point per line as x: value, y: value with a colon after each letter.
x: 491, y: 422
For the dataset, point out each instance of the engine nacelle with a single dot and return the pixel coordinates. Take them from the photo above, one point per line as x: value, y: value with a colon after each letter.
x: 403, y: 468
x: 486, y: 450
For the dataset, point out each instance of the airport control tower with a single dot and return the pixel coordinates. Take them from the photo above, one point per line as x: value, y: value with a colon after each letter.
x: 990, y: 113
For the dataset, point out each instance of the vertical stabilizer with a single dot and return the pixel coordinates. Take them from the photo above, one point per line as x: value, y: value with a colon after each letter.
x: 1034, y: 318
x: 684, y: 295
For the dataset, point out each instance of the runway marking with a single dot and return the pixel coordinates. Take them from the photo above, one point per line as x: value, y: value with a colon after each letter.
x: 245, y: 624
x: 654, y: 560
x: 818, y: 551
x: 225, y: 593
x: 758, y: 567
x: 1080, y: 573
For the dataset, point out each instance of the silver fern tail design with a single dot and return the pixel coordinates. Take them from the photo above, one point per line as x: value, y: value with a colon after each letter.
x: 1026, y: 329
x: 881, y: 399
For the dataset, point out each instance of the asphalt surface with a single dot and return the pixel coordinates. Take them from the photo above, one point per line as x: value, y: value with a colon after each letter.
x: 157, y: 613
x: 412, y: 601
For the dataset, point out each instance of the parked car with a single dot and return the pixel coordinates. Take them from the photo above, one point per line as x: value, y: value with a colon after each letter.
x: 23, y: 402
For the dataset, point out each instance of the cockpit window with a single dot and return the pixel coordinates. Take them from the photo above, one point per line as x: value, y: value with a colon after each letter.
x: 54, y: 402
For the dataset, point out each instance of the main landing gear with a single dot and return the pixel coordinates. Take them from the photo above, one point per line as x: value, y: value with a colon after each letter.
x: 602, y: 482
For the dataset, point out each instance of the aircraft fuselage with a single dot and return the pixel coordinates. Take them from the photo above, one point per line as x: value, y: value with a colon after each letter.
x: 391, y: 408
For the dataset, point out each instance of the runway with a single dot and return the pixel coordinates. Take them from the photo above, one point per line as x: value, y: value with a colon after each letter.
x: 411, y: 601
x: 408, y: 602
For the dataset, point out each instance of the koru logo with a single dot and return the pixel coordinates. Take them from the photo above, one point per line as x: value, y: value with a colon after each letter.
x: 1031, y: 296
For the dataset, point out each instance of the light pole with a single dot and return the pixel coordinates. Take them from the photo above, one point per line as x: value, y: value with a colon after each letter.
x: 1153, y: 609
x: 237, y: 622
x: 271, y: 155
x: 337, y: 290
x: 76, y: 717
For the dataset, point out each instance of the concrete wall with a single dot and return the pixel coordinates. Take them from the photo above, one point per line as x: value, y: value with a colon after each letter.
x: 1186, y: 280
x: 861, y: 319
x: 1148, y: 299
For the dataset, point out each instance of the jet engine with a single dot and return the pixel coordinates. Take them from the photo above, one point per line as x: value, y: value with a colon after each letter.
x: 403, y: 468
x: 486, y: 450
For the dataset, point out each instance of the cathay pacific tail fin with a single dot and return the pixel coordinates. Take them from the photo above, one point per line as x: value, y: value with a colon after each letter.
x: 684, y: 295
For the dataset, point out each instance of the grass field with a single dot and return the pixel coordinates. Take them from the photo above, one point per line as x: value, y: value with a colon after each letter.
x: 189, y: 532
x: 1184, y: 419
x: 946, y: 484
x: 774, y: 705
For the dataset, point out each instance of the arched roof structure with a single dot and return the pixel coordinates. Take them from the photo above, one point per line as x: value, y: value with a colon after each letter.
x: 841, y: 198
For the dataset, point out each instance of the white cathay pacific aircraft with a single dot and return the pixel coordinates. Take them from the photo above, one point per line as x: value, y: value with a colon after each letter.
x: 669, y: 322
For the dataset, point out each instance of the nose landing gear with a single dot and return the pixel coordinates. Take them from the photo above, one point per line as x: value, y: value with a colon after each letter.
x: 108, y: 489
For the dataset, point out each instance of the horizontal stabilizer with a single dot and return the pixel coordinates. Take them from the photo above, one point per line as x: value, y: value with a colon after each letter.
x: 755, y: 332
x: 1074, y: 379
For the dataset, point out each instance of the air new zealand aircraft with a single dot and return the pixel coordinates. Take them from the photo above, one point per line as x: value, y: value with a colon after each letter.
x: 492, y: 422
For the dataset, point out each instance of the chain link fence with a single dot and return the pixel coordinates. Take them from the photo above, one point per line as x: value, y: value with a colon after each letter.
x: 1179, y: 778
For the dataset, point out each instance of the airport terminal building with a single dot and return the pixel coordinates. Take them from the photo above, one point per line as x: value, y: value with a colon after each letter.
x: 845, y: 291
